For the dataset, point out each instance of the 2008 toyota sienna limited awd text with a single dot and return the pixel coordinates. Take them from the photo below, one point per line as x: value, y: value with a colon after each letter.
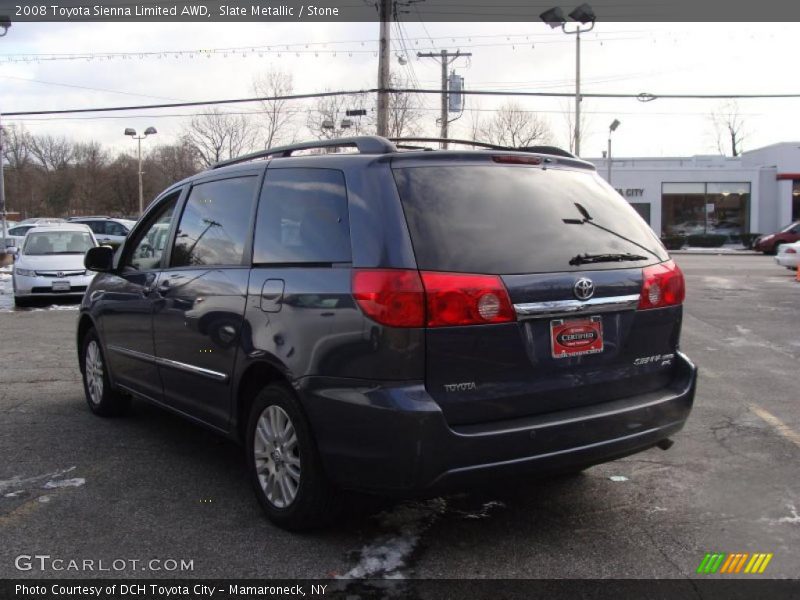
x: 400, y: 322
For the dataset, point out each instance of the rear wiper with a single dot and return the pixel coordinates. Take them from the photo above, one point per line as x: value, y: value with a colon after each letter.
x: 582, y: 259
x: 587, y: 218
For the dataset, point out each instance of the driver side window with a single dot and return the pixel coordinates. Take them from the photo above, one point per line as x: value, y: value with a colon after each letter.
x: 150, y: 243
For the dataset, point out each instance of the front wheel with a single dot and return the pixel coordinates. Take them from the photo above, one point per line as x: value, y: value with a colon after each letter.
x: 284, y: 464
x: 22, y: 301
x: 103, y: 400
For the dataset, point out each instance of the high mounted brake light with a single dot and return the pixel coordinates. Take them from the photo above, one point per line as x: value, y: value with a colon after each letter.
x: 512, y: 159
x: 662, y: 285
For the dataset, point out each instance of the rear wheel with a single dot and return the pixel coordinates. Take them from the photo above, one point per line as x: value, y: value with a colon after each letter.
x: 284, y: 464
x: 103, y: 400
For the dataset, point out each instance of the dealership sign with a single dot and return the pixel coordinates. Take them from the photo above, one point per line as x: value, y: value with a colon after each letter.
x: 631, y: 192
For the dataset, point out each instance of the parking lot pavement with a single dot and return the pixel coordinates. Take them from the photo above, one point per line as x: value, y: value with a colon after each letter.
x: 152, y: 486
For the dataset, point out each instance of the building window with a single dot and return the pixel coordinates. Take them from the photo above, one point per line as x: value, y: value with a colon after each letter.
x: 795, y: 200
x: 643, y: 208
x: 692, y: 208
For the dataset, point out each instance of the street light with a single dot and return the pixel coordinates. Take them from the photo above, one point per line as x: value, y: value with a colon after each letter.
x: 584, y: 14
x: 611, y: 128
x: 5, y: 23
x: 132, y: 133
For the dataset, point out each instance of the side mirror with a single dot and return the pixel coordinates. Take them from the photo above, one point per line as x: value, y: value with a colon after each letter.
x: 99, y: 258
x: 13, y: 251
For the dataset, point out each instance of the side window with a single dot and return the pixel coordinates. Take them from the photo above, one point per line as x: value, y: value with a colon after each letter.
x: 97, y: 227
x: 149, y: 244
x: 303, y: 217
x: 113, y: 228
x: 215, y: 223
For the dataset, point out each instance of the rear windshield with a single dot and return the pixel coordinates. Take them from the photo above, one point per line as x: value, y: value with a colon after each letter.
x: 510, y: 219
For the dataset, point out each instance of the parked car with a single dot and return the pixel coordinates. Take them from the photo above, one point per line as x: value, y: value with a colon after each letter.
x: 769, y: 244
x: 395, y: 322
x: 50, y: 263
x: 15, y: 236
x: 106, y: 230
x: 788, y: 255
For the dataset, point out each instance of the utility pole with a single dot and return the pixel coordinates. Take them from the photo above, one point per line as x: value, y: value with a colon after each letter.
x: 445, y: 58
x: 385, y: 15
x: 2, y: 194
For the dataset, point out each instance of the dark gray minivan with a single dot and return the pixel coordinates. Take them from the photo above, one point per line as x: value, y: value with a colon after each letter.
x: 400, y: 322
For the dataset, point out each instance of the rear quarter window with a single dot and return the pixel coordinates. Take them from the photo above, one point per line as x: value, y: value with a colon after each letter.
x: 303, y: 218
x: 511, y: 219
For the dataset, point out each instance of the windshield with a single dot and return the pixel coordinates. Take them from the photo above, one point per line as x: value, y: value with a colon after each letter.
x: 506, y: 219
x: 57, y: 242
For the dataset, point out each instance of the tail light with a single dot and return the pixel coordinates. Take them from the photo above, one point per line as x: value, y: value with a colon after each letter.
x: 790, y: 251
x: 406, y: 298
x: 663, y: 285
x: 393, y: 297
x: 461, y: 299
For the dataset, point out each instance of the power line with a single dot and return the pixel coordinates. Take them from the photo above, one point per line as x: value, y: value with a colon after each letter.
x: 644, y: 97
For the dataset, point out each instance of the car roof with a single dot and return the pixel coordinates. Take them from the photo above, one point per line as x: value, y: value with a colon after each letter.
x: 66, y: 227
x: 371, y: 148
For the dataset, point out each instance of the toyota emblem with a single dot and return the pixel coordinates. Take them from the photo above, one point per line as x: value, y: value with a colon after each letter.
x: 583, y: 288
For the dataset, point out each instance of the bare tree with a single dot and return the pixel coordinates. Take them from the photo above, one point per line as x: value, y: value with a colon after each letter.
x: 218, y: 135
x: 475, y: 125
x: 729, y: 127
x: 91, y: 184
x: 517, y: 128
x: 50, y: 152
x: 329, y: 118
x: 569, y: 122
x: 405, y: 110
x: 168, y: 163
x: 278, y: 121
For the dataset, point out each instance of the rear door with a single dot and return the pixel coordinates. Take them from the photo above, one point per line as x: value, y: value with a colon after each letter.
x: 530, y: 226
x: 201, y: 297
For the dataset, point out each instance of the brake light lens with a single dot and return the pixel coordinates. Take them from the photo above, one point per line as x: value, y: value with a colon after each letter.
x: 464, y: 299
x: 512, y: 159
x: 663, y: 285
x: 408, y: 298
x: 393, y: 297
x: 790, y: 251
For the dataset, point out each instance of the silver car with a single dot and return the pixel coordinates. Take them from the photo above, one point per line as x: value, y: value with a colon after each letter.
x: 50, y: 263
x: 108, y: 231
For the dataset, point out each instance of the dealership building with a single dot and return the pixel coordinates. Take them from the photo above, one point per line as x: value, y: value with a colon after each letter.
x: 756, y: 192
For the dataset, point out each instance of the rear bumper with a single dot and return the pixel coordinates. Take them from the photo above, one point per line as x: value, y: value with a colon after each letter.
x: 395, y: 439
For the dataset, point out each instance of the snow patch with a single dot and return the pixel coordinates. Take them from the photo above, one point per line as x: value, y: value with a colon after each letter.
x: 795, y: 518
x: 44, y: 499
x: 387, y: 556
x: 14, y: 494
x: 618, y: 478
x: 62, y: 483
x: 21, y: 483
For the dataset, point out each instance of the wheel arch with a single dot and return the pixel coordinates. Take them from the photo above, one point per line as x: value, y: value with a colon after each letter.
x: 255, y: 377
x: 85, y: 323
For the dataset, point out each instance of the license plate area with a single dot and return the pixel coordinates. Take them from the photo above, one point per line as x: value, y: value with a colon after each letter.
x: 60, y: 286
x: 576, y: 337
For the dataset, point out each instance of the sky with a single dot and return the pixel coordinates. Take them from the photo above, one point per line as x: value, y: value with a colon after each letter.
x: 628, y: 58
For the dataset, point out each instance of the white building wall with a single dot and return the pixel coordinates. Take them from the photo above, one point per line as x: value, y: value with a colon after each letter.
x: 640, y: 179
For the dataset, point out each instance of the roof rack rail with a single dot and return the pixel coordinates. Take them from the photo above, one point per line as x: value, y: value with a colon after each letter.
x: 554, y: 150
x: 365, y: 144
x: 436, y: 140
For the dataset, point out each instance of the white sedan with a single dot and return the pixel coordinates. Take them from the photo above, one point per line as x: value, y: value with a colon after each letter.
x: 50, y: 263
x: 788, y: 255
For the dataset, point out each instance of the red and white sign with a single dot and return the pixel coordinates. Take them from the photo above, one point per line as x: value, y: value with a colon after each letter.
x: 576, y: 337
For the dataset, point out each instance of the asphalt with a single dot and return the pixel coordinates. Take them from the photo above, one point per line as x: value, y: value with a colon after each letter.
x: 151, y: 486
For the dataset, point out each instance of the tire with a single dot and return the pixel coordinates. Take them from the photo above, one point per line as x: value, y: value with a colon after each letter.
x: 287, y: 475
x: 102, y: 398
x: 22, y: 302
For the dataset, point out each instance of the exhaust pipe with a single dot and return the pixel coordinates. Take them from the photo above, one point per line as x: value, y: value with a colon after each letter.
x: 665, y: 444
